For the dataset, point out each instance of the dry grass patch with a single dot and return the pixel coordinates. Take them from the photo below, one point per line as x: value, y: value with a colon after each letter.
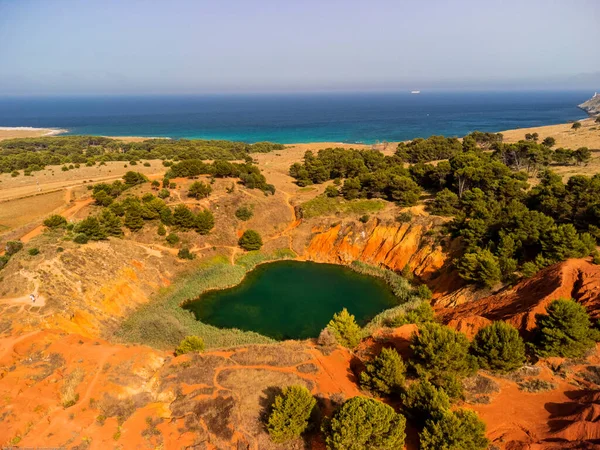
x: 255, y: 390
x: 536, y: 385
x: 68, y: 394
x: 196, y: 369
x: 281, y: 355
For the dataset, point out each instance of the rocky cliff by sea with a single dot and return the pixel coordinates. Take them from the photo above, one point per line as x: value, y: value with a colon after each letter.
x: 592, y: 106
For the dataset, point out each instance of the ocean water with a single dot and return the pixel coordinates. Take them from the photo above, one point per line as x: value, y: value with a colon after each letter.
x: 295, y: 118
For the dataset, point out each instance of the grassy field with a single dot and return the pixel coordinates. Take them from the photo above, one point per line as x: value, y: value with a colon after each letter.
x: 325, y: 206
x: 16, y: 213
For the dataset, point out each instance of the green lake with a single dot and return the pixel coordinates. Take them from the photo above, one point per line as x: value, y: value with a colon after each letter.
x: 293, y: 300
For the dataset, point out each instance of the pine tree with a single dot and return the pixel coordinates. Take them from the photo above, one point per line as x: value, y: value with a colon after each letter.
x: 183, y: 217
x: 362, y: 423
x: 110, y: 223
x: 345, y: 329
x: 423, y: 401
x: 385, y: 374
x: 456, y: 430
x: 133, y: 218
x: 290, y: 414
x: 499, y: 347
x: 205, y: 221
x: 565, y: 330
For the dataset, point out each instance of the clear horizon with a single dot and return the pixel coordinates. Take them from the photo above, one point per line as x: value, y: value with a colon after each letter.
x: 184, y: 47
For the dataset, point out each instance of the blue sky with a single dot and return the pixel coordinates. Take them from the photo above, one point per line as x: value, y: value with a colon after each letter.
x: 185, y: 46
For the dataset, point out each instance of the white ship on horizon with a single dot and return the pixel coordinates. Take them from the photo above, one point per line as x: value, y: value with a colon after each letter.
x: 415, y: 92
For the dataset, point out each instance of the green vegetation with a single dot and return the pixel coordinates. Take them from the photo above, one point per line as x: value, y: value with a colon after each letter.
x: 36, y: 153
x: 290, y: 413
x: 365, y: 423
x: 244, y: 213
x: 565, y: 330
x: 250, y: 240
x: 185, y: 253
x: 345, y: 329
x: 576, y: 125
x: 498, y: 347
x: 190, y: 344
x: 456, y: 430
x: 199, y: 190
x: 422, y: 401
x: 423, y: 313
x: 33, y: 251
x: 385, y: 374
x: 55, y: 221
x: 442, y: 356
x: 249, y: 175
x: 507, y: 229
x: 172, y: 239
x: 323, y: 205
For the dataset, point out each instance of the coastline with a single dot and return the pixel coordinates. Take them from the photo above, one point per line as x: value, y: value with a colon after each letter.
x: 562, y: 132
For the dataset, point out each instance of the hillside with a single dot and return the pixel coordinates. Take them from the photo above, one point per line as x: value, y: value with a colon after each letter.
x: 92, y: 363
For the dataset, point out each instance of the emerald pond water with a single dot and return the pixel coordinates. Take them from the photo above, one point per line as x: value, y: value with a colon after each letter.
x: 293, y: 300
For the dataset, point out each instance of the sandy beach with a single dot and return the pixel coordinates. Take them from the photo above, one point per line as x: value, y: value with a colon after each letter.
x: 25, y: 132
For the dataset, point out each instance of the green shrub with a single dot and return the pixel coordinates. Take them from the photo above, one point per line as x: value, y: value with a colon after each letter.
x: 250, y: 240
x: 362, y: 423
x: 13, y: 247
x: 244, y: 213
x: 55, y: 221
x: 33, y: 251
x: 499, y: 347
x: 576, y: 125
x: 565, y: 330
x: 81, y: 238
x: 172, y: 239
x: 161, y: 231
x: 290, y: 413
x: 442, y: 355
x: 90, y: 226
x: 163, y: 193
x: 456, y: 430
x: 364, y: 218
x: 199, y: 190
x: 190, y: 344
x: 423, y: 292
x: 385, y: 374
x: 205, y: 221
x: 184, y: 253
x: 4, y: 261
x: 423, y: 313
x: 332, y: 191
x: 345, y: 329
x: 404, y: 217
x: 423, y: 401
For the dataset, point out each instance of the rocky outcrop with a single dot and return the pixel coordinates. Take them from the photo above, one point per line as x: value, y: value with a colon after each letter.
x: 591, y: 106
x: 392, y: 245
x: 577, y: 278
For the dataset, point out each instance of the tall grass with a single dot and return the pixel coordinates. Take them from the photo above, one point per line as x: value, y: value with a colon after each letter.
x: 163, y: 323
x: 400, y: 286
x: 323, y: 205
x: 407, y: 295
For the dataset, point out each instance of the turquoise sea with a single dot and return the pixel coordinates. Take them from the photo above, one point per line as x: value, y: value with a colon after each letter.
x: 294, y: 118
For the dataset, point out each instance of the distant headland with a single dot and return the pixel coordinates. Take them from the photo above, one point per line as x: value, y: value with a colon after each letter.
x: 592, y: 106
